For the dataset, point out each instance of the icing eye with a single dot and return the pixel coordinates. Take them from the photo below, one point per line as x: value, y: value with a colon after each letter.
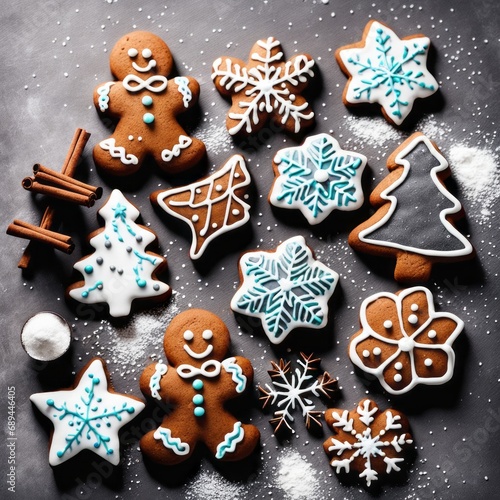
x: 207, y: 334
x: 146, y: 53
x: 188, y: 335
x: 132, y: 52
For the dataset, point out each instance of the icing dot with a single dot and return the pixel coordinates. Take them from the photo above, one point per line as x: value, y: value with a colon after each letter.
x: 406, y: 344
x: 85, y: 294
x: 413, y: 319
x: 147, y: 100
x: 236, y: 175
x: 107, y: 244
x: 198, y: 384
x: 366, y: 353
x: 141, y: 283
x: 89, y: 269
x: 387, y: 324
x: 198, y: 191
x: 195, y: 218
x: 138, y: 238
x: 218, y: 188
x: 128, y: 249
x: 199, y: 411
x: 146, y: 53
x: 130, y: 137
x: 112, y: 268
x: 321, y: 175
x: 428, y: 362
x: 414, y: 307
x: 198, y: 399
x: 139, y: 138
x: 432, y: 334
x: 377, y: 351
x: 132, y: 52
x: 214, y: 225
x: 148, y: 118
x: 100, y: 286
x: 188, y: 335
x: 207, y: 334
x: 398, y: 377
x: 156, y: 287
x: 120, y: 271
x: 99, y: 260
x: 235, y: 211
x: 398, y: 365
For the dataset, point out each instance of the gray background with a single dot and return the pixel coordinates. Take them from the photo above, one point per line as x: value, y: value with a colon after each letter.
x: 55, y: 52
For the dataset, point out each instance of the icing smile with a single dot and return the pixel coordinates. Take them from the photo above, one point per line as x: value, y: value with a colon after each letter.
x: 199, y: 355
x: 144, y: 69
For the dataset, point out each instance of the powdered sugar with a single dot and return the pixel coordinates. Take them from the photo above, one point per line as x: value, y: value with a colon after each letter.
x: 216, y: 137
x: 296, y: 477
x: 212, y: 485
x: 373, y: 131
x: 477, y: 172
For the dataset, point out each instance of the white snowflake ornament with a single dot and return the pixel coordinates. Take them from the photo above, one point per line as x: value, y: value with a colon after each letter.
x: 318, y: 178
x: 87, y: 417
x: 367, y: 441
x: 266, y: 87
x: 388, y: 70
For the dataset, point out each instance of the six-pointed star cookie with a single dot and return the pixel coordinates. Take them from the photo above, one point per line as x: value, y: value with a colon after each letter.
x: 87, y: 417
x: 211, y: 206
x: 388, y: 70
x: 265, y: 87
x: 317, y: 178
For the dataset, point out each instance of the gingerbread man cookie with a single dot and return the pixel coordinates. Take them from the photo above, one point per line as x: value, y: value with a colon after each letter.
x: 146, y: 105
x: 197, y: 380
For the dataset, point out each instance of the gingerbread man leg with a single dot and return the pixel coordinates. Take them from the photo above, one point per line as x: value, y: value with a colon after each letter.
x: 119, y: 159
x: 180, y: 156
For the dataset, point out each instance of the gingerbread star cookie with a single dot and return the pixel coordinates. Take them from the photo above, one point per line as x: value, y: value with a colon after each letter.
x: 266, y: 87
x: 212, y: 206
x: 388, y: 70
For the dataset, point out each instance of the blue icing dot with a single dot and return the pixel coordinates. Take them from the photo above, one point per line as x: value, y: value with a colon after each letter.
x: 199, y: 411
x: 89, y: 269
x: 60, y: 454
x: 85, y: 294
x: 142, y: 283
x: 198, y: 384
x: 148, y: 118
x: 198, y: 399
x: 147, y: 100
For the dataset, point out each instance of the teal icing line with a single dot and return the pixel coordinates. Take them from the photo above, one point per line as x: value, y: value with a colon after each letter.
x: 237, y: 376
x: 171, y: 443
x: 230, y: 441
x: 87, y: 292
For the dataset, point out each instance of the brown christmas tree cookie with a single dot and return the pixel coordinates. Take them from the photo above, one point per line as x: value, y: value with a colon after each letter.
x: 266, y: 87
x: 145, y: 104
x: 87, y: 416
x: 403, y: 341
x: 211, y: 206
x: 197, y: 380
x: 415, y: 214
x: 388, y: 70
x: 368, y: 444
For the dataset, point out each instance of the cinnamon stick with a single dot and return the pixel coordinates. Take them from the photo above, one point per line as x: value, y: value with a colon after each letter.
x: 87, y: 199
x: 76, y: 148
x: 34, y: 233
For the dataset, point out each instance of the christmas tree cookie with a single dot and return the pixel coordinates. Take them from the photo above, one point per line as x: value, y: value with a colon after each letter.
x: 414, y: 217
x: 120, y: 270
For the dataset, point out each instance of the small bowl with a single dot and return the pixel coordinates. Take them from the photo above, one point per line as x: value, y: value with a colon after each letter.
x: 46, y: 336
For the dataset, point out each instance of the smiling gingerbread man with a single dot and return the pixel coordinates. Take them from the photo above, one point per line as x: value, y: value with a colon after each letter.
x: 146, y: 105
x: 197, y: 381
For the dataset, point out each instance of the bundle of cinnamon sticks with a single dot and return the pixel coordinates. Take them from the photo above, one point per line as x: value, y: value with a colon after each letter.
x: 59, y: 185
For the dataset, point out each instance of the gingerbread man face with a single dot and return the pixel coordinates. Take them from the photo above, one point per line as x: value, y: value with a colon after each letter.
x: 146, y: 104
x: 197, y: 381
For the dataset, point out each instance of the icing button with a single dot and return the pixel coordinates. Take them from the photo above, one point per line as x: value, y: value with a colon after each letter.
x: 198, y: 384
x: 199, y: 411
x: 89, y: 269
x: 148, y: 118
x: 147, y: 100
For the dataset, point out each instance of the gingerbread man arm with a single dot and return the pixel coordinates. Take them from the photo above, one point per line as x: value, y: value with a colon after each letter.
x: 183, y: 92
x: 155, y: 381
x: 108, y: 98
x: 236, y: 377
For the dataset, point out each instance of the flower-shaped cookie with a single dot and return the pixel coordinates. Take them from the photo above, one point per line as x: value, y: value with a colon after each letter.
x: 403, y: 341
x: 287, y: 288
x: 366, y: 441
x: 265, y: 87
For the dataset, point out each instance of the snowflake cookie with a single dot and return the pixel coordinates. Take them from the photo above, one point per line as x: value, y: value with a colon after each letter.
x: 286, y: 288
x: 120, y: 270
x: 88, y: 416
x: 317, y: 178
x: 268, y: 86
x: 212, y: 206
x: 367, y: 443
x: 292, y: 389
x: 403, y: 341
x: 388, y: 70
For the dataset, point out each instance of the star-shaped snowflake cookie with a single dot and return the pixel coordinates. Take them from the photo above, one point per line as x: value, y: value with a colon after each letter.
x: 87, y: 417
x: 317, y: 178
x: 212, y: 206
x: 268, y: 86
x: 293, y: 389
x: 403, y: 341
x: 367, y: 442
x: 286, y: 288
x: 388, y: 70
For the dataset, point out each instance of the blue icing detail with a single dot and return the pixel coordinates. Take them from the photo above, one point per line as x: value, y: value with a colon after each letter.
x: 198, y: 399
x: 198, y: 384
x: 236, y: 374
x: 148, y: 118
x: 230, y: 441
x: 89, y: 269
x: 97, y: 286
x: 147, y: 100
x: 171, y: 443
x: 199, y: 411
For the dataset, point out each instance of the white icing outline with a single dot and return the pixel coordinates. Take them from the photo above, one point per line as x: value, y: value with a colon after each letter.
x: 298, y: 204
x: 183, y: 88
x: 164, y: 434
x: 368, y: 332
x: 145, y: 84
x: 188, y: 371
x: 73, y: 398
x: 443, y: 165
x: 154, y: 382
x: 118, y: 152
x: 237, y: 430
x: 184, y: 143
x: 103, y: 92
x: 144, y: 69
x: 199, y: 355
x: 237, y: 375
x: 233, y: 163
x: 378, y: 95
